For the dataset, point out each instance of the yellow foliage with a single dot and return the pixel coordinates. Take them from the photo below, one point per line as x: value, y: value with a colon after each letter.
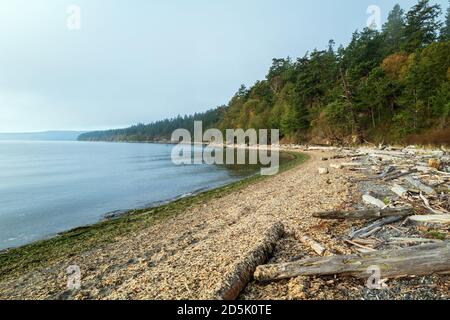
x: 394, y: 65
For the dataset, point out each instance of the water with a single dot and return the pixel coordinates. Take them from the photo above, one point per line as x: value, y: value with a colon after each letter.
x: 50, y: 187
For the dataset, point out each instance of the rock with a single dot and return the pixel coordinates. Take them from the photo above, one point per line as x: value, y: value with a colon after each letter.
x: 323, y: 171
x: 336, y: 166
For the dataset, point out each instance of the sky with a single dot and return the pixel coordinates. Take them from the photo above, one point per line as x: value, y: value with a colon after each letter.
x: 144, y: 60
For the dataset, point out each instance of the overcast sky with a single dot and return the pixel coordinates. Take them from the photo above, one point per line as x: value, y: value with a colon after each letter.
x: 144, y: 60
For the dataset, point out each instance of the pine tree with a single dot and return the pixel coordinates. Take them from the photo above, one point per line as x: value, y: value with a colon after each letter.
x: 445, y: 31
x: 422, y: 25
x: 393, y: 30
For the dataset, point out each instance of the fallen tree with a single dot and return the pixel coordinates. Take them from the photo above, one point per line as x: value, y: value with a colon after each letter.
x: 412, y: 261
x: 366, y: 214
x: 238, y: 278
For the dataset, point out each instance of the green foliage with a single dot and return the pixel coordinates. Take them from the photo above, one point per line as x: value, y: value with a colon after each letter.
x: 445, y: 31
x: 422, y: 25
x: 384, y: 86
x: 394, y: 31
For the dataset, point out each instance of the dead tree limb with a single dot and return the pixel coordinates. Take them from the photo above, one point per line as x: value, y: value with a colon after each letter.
x: 314, y: 245
x: 369, y: 230
x: 366, y: 214
x: 412, y: 261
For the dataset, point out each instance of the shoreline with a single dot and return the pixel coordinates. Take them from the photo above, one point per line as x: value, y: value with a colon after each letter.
x: 15, y: 260
x: 196, y: 255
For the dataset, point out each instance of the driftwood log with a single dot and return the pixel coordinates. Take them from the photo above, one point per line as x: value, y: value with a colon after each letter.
x: 368, y: 199
x: 366, y: 214
x: 373, y: 227
x: 238, y: 278
x: 419, y: 185
x: 397, y: 175
x: 442, y: 219
x: 314, y: 245
x: 412, y: 261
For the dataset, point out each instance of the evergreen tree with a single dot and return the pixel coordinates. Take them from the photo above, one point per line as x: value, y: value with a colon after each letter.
x: 422, y: 25
x: 393, y: 30
x: 445, y: 31
x: 381, y: 87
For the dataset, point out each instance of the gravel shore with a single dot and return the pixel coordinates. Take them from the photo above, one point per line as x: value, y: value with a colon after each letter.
x: 190, y: 255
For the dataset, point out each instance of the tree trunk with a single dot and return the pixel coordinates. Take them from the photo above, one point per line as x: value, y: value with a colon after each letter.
x: 412, y: 261
x: 348, y: 95
x: 366, y: 214
x: 238, y: 278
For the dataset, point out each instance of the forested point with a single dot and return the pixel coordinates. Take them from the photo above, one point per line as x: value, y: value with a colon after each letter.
x: 390, y: 85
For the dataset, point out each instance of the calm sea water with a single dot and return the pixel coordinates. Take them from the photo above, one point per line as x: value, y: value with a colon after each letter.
x: 50, y: 187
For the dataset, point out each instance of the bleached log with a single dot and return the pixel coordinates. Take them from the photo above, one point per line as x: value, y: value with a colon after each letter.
x: 399, y: 190
x: 361, y: 248
x: 366, y: 214
x: 238, y: 278
x: 319, y: 148
x: 314, y: 245
x: 368, y: 199
x: 352, y: 164
x: 413, y: 261
x: 419, y: 185
x: 443, y: 219
x: 398, y: 240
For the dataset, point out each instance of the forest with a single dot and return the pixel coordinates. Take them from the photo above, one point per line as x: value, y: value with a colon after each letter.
x: 386, y: 86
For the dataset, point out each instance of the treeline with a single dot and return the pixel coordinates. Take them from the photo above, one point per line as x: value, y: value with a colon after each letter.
x: 157, y: 131
x: 391, y: 85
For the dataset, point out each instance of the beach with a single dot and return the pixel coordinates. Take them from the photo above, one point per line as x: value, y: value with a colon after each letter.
x: 191, y: 254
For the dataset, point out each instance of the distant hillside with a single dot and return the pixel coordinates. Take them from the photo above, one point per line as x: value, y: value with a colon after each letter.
x: 43, y: 136
x: 386, y: 86
x: 157, y: 131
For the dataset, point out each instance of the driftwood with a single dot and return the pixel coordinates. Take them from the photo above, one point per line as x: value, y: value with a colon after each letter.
x: 368, y: 199
x: 428, y: 206
x: 374, y: 227
x: 314, y: 245
x: 398, y: 175
x: 419, y: 185
x: 443, y: 219
x: 237, y: 279
x: 336, y: 157
x: 386, y: 172
x: 397, y: 240
x: 361, y: 248
x: 399, y: 190
x: 412, y: 261
x: 366, y: 214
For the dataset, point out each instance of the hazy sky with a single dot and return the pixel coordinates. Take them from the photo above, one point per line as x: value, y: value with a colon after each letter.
x: 144, y: 60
